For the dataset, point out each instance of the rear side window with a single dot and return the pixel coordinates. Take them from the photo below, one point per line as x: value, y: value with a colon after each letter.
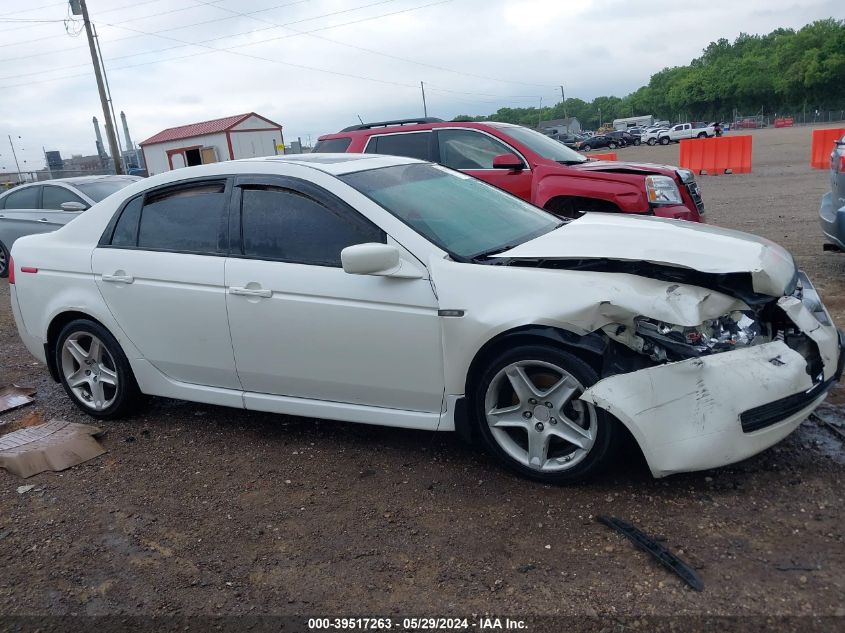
x: 191, y: 218
x: 333, y: 145
x: 126, y: 230
x: 26, y: 198
x: 282, y: 224
x: 412, y: 145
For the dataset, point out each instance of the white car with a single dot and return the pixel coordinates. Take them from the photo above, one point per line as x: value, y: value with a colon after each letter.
x: 40, y: 207
x: 651, y: 135
x: 392, y: 291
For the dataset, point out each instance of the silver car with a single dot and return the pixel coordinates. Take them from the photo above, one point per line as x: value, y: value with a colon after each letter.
x: 832, y: 210
x: 41, y: 207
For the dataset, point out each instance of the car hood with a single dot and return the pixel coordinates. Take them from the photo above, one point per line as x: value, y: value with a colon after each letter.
x: 626, y: 167
x: 665, y: 242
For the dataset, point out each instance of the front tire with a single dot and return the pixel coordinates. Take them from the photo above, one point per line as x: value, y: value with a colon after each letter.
x: 586, y: 148
x: 665, y: 140
x: 530, y: 418
x: 652, y: 141
x: 611, y: 145
x: 94, y: 371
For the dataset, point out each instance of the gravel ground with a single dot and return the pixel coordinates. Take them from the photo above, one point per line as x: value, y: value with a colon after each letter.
x: 204, y: 510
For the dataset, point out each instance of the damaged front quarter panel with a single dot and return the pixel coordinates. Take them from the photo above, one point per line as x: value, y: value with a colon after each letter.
x: 580, y: 302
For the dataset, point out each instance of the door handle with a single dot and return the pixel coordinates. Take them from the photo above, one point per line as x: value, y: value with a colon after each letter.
x: 122, y: 279
x: 43, y: 220
x: 251, y: 292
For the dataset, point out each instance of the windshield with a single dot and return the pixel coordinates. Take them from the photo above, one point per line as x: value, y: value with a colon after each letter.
x: 543, y: 145
x: 464, y: 216
x: 101, y: 189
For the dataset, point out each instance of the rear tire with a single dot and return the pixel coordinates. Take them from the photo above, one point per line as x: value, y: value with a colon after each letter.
x: 611, y: 145
x: 94, y: 371
x: 530, y: 418
x: 586, y: 148
x: 652, y: 141
x: 702, y: 135
x: 665, y: 140
x: 4, y: 261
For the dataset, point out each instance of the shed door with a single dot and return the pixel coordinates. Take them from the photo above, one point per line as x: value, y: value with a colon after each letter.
x: 209, y: 155
x: 178, y: 160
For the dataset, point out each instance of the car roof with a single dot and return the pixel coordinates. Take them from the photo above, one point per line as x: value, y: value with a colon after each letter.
x: 75, y: 180
x: 336, y: 164
x: 392, y: 129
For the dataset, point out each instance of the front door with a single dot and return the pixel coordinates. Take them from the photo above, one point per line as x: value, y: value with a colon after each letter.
x: 473, y: 152
x: 161, y: 274
x: 302, y: 327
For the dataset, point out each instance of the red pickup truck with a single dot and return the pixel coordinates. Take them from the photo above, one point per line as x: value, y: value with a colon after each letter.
x: 530, y: 165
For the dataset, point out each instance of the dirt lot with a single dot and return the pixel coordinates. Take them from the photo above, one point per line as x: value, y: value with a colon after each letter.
x: 204, y: 510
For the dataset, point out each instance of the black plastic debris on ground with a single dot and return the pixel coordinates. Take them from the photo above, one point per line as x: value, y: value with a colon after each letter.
x: 658, y: 551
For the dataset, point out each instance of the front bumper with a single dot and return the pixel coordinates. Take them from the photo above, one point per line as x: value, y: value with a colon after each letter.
x: 677, y: 212
x: 689, y: 415
x: 832, y: 220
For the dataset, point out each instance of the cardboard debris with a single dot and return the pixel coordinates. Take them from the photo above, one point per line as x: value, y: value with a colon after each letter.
x: 14, y: 396
x: 56, y: 445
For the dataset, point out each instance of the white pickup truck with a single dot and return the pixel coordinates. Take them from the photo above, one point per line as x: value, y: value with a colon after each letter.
x: 685, y: 130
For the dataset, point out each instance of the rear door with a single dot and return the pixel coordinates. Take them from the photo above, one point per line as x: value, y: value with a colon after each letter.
x: 473, y: 151
x: 160, y: 269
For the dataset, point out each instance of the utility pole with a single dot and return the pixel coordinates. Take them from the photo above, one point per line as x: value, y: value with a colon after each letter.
x: 18, y: 167
x: 563, y: 100
x: 113, y: 147
x: 425, y: 109
x: 108, y: 97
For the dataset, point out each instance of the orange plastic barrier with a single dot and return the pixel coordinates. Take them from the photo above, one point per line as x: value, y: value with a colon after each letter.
x: 786, y: 121
x: 717, y: 155
x: 823, y: 146
x: 605, y: 156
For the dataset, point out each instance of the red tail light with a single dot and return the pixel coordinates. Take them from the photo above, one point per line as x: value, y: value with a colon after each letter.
x: 842, y: 164
x: 11, y: 270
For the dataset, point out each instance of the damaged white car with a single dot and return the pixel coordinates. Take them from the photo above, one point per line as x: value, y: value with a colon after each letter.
x: 390, y: 291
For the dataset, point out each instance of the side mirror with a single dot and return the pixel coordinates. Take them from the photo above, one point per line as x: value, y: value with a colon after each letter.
x: 73, y: 206
x: 508, y: 161
x: 382, y: 260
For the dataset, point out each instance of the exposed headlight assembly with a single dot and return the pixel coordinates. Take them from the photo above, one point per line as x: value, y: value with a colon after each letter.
x: 686, y: 176
x: 664, y: 341
x: 662, y: 190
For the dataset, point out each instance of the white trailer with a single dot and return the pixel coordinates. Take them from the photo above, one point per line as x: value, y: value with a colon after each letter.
x: 633, y: 121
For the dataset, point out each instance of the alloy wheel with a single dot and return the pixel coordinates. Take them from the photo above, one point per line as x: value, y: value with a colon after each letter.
x: 4, y: 262
x: 89, y: 370
x: 534, y: 414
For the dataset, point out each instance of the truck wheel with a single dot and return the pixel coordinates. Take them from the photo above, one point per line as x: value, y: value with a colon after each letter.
x: 664, y: 140
x: 652, y: 141
x: 702, y: 135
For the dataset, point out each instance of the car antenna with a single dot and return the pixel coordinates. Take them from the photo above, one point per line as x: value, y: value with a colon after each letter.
x: 360, y: 119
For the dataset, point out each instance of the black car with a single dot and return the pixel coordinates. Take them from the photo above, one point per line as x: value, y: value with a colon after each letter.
x: 624, y: 138
x: 597, y: 141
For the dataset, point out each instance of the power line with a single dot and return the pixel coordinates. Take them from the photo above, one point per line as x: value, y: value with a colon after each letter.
x: 31, y: 9
x: 375, y: 52
x: 202, y: 43
x: 232, y: 50
x: 121, y: 8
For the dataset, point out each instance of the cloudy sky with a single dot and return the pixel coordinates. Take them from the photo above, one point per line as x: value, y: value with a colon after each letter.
x: 315, y: 65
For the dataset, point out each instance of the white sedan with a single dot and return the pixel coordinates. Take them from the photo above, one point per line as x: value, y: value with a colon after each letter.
x: 391, y: 291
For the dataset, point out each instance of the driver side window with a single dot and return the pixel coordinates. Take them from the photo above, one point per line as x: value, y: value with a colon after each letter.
x: 468, y: 149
